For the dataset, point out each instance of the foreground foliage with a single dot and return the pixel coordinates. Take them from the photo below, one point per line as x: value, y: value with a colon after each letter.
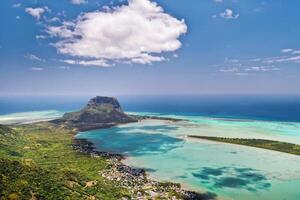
x: 259, y: 143
x: 38, y: 162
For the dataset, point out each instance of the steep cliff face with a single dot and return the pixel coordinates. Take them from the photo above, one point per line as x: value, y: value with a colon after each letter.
x: 98, y: 113
x: 104, y: 103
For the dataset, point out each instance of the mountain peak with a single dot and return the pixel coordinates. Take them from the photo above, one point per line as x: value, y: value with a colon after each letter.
x: 99, y: 112
x: 104, y: 103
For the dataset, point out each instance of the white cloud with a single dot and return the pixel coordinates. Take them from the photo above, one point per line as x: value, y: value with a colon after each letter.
x: 218, y: 1
x: 248, y: 70
x: 99, y: 63
x: 53, y: 19
x: 37, y: 69
x: 33, y: 57
x: 36, y: 12
x: 229, y: 14
x: 41, y: 36
x: 282, y: 59
x: 229, y: 70
x: 262, y: 68
x: 78, y: 2
x: 17, y: 5
x: 139, y: 32
x: 296, y: 52
x: 286, y: 50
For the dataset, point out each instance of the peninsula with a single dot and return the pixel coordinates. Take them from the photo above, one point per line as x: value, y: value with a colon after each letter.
x: 258, y: 143
x: 43, y: 160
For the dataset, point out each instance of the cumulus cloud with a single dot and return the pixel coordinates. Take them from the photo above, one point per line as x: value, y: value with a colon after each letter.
x: 36, y: 12
x: 229, y: 14
x: 139, y: 32
x: 78, y: 2
x: 33, y: 57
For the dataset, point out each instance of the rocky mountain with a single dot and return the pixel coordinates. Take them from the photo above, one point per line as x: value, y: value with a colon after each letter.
x: 100, y: 112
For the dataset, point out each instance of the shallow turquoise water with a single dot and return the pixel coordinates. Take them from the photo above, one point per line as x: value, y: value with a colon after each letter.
x: 30, y: 116
x: 229, y: 171
x: 226, y: 170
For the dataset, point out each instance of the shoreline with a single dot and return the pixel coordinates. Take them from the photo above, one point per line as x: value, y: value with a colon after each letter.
x: 278, y: 146
x: 135, y: 178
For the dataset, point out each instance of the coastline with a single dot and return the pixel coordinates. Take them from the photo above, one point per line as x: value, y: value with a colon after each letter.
x: 283, y: 147
x: 114, y: 160
x: 136, y: 178
x: 79, y: 154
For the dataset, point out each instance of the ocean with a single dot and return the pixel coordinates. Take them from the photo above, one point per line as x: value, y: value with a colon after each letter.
x: 262, y: 107
x: 226, y: 171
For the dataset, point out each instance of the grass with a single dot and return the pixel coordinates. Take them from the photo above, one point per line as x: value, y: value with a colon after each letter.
x: 259, y: 143
x: 38, y: 162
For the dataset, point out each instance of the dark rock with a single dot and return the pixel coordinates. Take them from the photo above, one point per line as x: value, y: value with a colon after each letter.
x: 86, y: 147
x: 130, y: 170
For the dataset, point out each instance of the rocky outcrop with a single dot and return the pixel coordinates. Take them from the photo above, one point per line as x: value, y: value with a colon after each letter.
x: 100, y: 112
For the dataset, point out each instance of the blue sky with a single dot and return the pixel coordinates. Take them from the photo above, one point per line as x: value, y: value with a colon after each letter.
x: 149, y: 47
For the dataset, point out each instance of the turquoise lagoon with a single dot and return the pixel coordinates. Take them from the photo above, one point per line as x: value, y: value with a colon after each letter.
x: 224, y: 170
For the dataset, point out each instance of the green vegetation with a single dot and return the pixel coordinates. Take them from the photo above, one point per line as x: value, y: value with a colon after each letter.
x: 38, y: 162
x: 259, y: 143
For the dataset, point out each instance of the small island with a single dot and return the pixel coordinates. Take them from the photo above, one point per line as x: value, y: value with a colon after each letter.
x: 258, y: 143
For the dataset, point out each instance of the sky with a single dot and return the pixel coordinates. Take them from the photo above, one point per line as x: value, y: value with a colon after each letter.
x: 143, y: 47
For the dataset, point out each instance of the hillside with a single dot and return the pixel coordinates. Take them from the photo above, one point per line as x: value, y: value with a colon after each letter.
x: 100, y: 112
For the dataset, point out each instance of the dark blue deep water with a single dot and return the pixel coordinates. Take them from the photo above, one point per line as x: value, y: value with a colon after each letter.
x: 263, y: 107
